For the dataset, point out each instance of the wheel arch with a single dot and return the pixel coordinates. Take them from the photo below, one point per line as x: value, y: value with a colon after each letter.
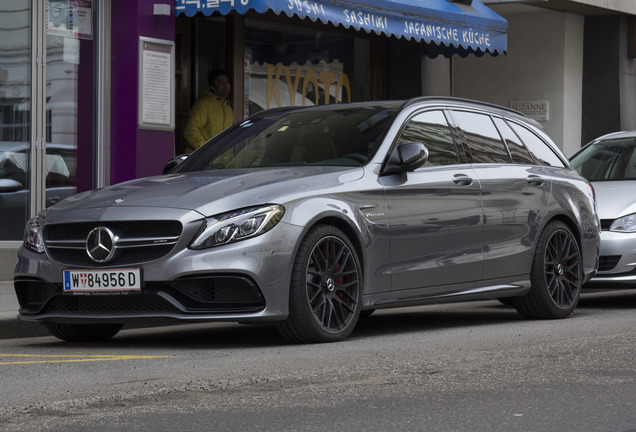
x: 349, y: 231
x: 344, y: 225
x: 560, y: 217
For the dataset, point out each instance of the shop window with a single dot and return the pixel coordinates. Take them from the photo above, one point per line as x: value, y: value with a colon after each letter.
x: 15, y: 117
x: 288, y: 65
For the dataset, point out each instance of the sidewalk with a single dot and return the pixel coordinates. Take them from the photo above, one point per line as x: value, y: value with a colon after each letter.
x: 10, y: 326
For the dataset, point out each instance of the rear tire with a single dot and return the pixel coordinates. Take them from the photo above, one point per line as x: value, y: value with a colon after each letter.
x: 326, y: 288
x: 83, y: 332
x: 556, y: 276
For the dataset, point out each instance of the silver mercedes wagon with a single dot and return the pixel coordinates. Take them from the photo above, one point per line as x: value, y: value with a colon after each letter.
x: 309, y: 217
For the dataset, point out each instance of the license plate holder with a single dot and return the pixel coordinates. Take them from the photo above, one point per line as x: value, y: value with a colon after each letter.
x: 102, y: 281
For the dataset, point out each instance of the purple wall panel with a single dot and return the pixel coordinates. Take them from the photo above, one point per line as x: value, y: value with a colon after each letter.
x: 134, y: 152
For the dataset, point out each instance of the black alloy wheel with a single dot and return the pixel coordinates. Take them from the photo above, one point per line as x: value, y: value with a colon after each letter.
x: 326, y: 288
x: 556, y: 275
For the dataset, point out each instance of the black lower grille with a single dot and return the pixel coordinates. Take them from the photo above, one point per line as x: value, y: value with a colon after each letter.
x: 208, y: 294
x: 608, y: 262
x: 110, y: 304
x: 219, y: 290
x: 33, y: 294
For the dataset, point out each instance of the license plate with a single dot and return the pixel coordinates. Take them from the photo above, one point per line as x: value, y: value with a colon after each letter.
x: 128, y: 279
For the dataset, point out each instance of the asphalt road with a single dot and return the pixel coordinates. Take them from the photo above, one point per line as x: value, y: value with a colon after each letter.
x: 463, y: 367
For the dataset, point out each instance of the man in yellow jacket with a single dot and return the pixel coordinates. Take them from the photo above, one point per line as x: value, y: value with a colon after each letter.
x: 211, y: 114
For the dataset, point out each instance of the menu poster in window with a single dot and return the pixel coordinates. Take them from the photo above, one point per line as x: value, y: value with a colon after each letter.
x: 70, y: 18
x: 156, y: 84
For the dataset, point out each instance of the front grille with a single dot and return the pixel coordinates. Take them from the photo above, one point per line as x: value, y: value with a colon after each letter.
x: 608, y: 262
x: 78, y: 257
x: 606, y: 224
x: 137, y: 241
x: 159, y: 228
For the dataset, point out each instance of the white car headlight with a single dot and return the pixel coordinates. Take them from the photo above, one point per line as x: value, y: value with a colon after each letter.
x: 33, y: 233
x: 624, y: 224
x: 238, y: 225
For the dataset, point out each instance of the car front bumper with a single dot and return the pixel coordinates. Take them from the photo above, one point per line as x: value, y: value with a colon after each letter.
x: 617, y: 269
x: 247, y: 281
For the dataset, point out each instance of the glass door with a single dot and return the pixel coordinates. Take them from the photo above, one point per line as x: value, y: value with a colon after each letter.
x: 15, y: 116
x: 47, y: 100
x: 70, y: 34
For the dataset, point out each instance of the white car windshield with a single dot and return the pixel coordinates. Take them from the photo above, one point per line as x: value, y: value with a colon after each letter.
x: 612, y: 159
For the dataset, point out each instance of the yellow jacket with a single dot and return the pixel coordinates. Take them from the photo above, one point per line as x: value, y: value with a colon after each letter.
x: 208, y: 117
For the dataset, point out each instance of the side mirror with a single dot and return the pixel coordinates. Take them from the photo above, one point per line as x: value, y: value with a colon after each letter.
x: 406, y: 157
x: 10, y: 185
x: 173, y: 163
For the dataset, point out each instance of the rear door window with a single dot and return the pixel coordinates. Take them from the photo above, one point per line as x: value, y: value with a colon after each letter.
x: 518, y: 151
x: 543, y: 154
x: 483, y: 139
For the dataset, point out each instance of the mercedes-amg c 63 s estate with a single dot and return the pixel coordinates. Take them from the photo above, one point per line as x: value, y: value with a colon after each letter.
x: 309, y: 217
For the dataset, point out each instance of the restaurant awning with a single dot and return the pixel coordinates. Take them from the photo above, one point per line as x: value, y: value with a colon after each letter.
x: 455, y: 26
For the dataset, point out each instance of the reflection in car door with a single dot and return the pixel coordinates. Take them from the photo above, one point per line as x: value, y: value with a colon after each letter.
x: 515, y: 193
x: 435, y: 213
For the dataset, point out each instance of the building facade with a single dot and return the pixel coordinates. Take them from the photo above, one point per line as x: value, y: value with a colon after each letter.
x: 570, y: 64
x: 97, y: 92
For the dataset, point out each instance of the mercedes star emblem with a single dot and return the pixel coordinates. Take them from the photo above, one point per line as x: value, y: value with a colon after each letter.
x: 100, y: 244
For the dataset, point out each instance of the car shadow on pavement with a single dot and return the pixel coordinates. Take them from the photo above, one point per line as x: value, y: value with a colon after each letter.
x: 415, y: 319
x: 619, y: 299
x: 234, y: 336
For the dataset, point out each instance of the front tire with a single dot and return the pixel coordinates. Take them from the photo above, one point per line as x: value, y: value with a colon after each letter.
x: 326, y: 288
x: 83, y: 332
x: 556, y: 275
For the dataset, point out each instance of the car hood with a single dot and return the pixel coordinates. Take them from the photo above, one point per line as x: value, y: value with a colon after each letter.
x: 213, y: 192
x: 615, y: 198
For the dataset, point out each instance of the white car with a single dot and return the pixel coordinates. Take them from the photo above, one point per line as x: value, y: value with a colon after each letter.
x: 609, y: 162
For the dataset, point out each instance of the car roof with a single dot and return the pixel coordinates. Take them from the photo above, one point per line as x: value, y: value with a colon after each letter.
x: 616, y: 135
x: 444, y: 101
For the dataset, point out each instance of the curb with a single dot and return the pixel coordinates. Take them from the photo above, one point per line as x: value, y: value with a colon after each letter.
x: 12, y: 328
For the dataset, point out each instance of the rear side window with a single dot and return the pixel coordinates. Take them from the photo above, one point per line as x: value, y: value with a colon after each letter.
x: 540, y: 150
x: 431, y: 129
x: 482, y: 137
x: 519, y: 153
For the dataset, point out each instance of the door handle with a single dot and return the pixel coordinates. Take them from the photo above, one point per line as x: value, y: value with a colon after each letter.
x: 534, y: 180
x: 462, y: 180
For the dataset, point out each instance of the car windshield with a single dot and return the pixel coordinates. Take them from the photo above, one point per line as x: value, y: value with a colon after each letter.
x: 612, y: 159
x: 328, y: 136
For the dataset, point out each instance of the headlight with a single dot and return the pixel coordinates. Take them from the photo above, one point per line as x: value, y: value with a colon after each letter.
x: 624, y: 224
x: 33, y: 233
x: 238, y: 225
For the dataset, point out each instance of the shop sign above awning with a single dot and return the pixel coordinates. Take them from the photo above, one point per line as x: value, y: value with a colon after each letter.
x: 465, y: 25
